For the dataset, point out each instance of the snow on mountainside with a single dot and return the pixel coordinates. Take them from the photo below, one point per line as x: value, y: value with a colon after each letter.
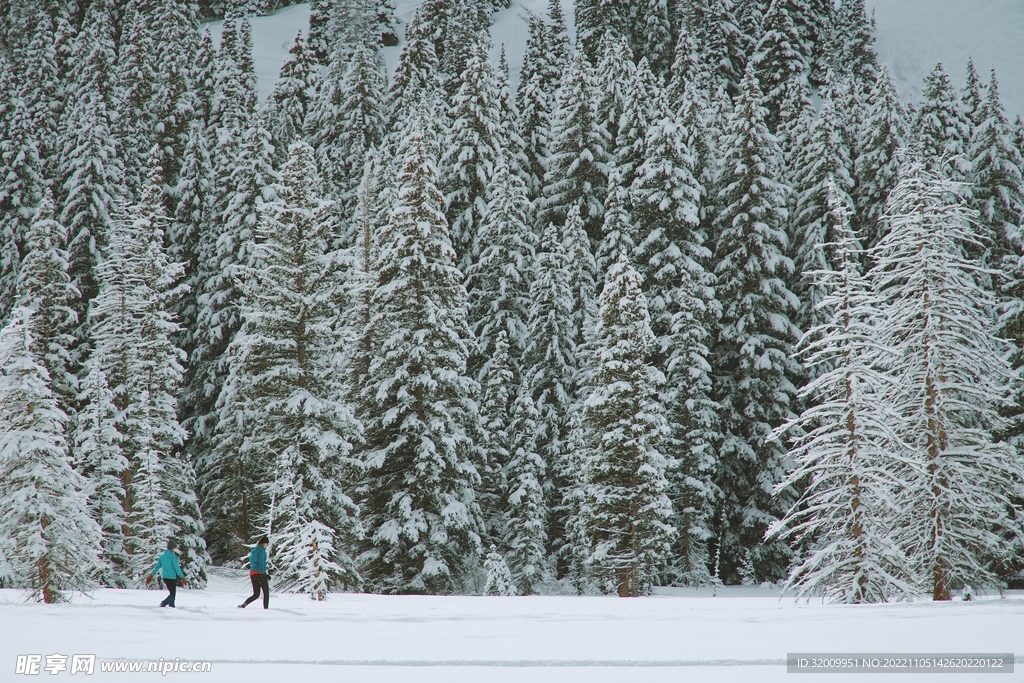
x: 912, y: 36
x: 915, y: 34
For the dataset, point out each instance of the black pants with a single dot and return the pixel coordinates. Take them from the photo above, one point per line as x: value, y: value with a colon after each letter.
x: 172, y: 585
x: 259, y: 582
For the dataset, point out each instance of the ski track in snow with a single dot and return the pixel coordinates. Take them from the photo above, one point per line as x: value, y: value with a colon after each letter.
x: 912, y: 36
x: 743, y: 634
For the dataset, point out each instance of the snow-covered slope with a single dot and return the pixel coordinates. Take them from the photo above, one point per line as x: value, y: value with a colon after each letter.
x: 912, y: 36
x: 740, y: 636
x: 915, y: 34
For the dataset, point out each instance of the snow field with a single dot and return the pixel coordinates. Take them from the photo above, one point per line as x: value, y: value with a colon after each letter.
x: 742, y: 635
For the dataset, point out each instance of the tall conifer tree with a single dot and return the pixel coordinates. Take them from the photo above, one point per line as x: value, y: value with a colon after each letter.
x: 952, y: 377
x: 628, y: 514
x: 753, y: 370
x: 422, y: 456
x: 48, y: 540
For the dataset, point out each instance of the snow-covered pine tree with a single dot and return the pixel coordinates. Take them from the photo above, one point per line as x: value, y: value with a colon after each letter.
x: 48, y: 540
x: 463, y: 23
x: 998, y: 195
x: 817, y: 30
x: 499, y: 280
x: 39, y: 85
x: 703, y: 114
x: 575, y: 545
x: 973, y: 95
x: 284, y: 381
x: 290, y: 101
x: 943, y: 130
x: 471, y: 154
x: 175, y: 41
x: 579, y: 145
x: 687, y: 66
x: 847, y: 454
x: 511, y: 142
x: 852, y: 104
x: 723, y: 48
x: 822, y: 158
x: 750, y: 23
x: 45, y: 287
x: 618, y: 232
x: 359, y: 288
x: 752, y: 368
x: 204, y: 67
x: 422, y: 459
x: 665, y: 199
x: 693, y: 422
x: 534, y: 104
x: 99, y: 457
x: 885, y: 135
x: 194, y: 196
x: 131, y: 330
x: 227, y: 109
x: 282, y: 392
x: 246, y: 67
x: 582, y: 273
x: 544, y: 62
x: 674, y: 260
x: 20, y: 193
x: 91, y: 172
x: 796, y: 120
x: 526, y: 516
x: 242, y: 189
x: 416, y: 87
x: 237, y: 9
x: 952, y: 378
x: 416, y: 78
x: 353, y: 24
x: 499, y: 577
x: 557, y: 46
x: 135, y: 80
x: 499, y: 392
x: 649, y: 107
x: 596, y: 20
x: 319, y: 20
x: 582, y: 277
x: 615, y: 96
x: 780, y: 55
x: 550, y: 365
x: 628, y: 512
x: 347, y: 120
x: 304, y: 547
x: 853, y: 38
x: 652, y: 35
x: 997, y: 183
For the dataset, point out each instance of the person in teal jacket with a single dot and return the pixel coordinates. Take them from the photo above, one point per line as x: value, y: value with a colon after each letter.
x: 258, y: 573
x: 167, y: 566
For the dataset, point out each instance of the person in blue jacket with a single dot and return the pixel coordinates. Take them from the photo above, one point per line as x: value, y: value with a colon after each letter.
x: 258, y: 573
x: 167, y: 565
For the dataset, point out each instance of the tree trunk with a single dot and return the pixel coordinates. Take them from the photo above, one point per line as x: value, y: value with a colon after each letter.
x: 623, y: 581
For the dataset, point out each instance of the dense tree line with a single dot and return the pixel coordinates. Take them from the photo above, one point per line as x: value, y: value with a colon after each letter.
x: 656, y: 317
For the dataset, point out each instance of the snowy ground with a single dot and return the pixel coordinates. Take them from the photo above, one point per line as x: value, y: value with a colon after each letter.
x: 740, y: 635
x: 915, y: 34
x: 912, y: 36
